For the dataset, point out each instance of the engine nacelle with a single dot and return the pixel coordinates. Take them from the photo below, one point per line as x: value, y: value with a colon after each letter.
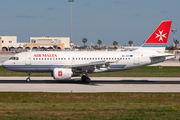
x: 62, y: 73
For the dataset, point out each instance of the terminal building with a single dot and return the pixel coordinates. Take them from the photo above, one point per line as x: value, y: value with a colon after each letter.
x: 9, y: 43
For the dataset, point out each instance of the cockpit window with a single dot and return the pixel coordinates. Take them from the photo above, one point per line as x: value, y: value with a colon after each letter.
x: 14, y: 58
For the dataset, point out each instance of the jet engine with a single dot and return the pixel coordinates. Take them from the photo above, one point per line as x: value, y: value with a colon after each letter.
x: 62, y: 73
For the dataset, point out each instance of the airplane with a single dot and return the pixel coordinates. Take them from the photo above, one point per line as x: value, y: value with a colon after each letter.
x: 65, y: 64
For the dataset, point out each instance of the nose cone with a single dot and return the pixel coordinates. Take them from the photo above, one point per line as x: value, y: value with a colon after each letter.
x: 4, y: 65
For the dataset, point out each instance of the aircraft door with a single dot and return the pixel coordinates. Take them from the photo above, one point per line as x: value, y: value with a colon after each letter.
x: 28, y: 59
x: 136, y: 59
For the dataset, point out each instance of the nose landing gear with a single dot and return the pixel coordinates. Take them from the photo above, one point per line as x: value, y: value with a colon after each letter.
x: 28, y: 77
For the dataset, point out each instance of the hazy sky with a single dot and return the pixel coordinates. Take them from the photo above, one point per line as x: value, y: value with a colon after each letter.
x: 107, y: 20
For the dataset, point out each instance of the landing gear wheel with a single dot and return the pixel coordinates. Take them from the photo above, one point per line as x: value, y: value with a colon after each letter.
x: 85, y: 79
x: 88, y: 80
x: 28, y: 80
x: 28, y: 77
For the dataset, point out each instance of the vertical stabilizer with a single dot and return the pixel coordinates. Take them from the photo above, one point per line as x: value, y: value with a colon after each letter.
x: 159, y: 38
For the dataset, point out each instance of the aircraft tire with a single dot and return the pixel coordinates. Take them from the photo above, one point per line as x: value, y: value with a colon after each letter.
x: 28, y: 80
x: 83, y: 78
x: 88, y: 80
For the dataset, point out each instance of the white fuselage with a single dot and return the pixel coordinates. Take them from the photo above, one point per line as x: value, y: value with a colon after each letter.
x: 48, y: 60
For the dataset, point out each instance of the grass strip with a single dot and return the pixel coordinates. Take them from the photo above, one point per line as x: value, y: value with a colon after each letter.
x: 90, y: 106
x: 148, y: 71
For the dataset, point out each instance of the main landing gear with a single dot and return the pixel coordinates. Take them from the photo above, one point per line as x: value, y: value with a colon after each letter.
x: 85, y: 78
x: 28, y: 77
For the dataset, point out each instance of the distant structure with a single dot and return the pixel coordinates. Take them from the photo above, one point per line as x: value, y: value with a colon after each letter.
x: 0, y: 43
x: 9, y: 43
x: 48, y: 43
x: 92, y: 44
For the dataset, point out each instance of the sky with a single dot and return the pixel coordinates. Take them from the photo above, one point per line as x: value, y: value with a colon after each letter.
x: 107, y: 20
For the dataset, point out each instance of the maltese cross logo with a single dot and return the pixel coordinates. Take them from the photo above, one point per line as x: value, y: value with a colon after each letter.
x: 160, y: 35
x: 59, y: 73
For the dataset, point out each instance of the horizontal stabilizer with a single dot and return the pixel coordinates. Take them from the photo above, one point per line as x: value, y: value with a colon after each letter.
x: 161, y: 55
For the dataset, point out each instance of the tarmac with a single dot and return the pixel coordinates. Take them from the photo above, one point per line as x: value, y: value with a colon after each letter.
x: 98, y: 84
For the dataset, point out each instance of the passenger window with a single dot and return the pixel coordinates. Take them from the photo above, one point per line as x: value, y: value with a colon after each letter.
x: 90, y: 58
x: 95, y: 58
x: 84, y: 58
x: 64, y: 58
x: 44, y: 58
x: 33, y: 58
x: 36, y: 58
x: 17, y: 58
x: 128, y: 58
x: 47, y: 58
x: 56, y: 58
x: 68, y: 58
x: 81, y: 58
x: 87, y: 58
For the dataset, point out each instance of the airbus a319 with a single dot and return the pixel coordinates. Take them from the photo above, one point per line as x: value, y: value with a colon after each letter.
x: 65, y: 64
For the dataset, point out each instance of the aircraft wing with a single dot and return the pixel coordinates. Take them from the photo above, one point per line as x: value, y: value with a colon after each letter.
x: 91, y: 64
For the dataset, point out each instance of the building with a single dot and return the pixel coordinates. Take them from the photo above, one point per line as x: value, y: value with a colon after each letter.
x: 9, y: 43
x: 48, y: 43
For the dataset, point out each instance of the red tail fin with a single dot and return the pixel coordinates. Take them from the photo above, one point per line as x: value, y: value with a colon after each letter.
x: 160, y: 35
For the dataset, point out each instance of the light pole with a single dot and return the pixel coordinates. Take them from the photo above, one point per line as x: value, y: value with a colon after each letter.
x: 174, y: 30
x: 71, y: 21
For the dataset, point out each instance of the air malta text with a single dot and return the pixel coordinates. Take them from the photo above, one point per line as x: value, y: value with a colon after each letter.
x: 45, y: 55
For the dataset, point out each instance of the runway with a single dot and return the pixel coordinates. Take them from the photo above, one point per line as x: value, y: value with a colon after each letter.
x: 98, y: 84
